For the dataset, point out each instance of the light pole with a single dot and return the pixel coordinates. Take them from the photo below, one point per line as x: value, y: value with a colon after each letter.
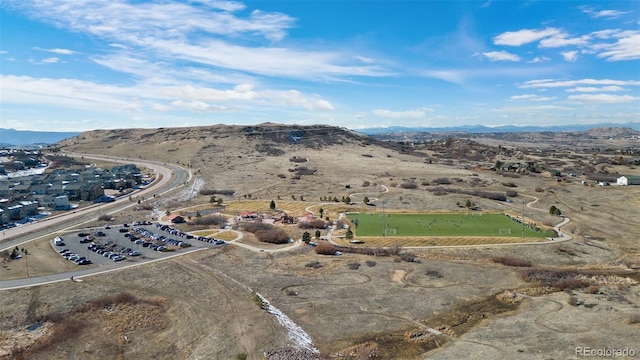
x: 383, y: 221
x: 523, y: 202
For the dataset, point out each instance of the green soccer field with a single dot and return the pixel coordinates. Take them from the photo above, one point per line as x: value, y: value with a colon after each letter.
x: 453, y: 224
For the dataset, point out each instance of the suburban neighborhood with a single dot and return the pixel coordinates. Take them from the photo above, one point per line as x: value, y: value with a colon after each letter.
x: 27, y: 195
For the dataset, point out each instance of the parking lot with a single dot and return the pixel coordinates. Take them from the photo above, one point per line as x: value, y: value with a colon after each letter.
x: 127, y: 243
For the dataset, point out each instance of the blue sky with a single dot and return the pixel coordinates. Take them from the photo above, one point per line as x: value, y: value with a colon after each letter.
x: 75, y: 65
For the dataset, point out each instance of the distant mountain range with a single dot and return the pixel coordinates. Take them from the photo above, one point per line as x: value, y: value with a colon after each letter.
x: 11, y: 137
x: 496, y: 129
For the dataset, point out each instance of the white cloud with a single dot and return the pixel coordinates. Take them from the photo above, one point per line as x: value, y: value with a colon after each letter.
x: 524, y: 109
x: 608, y: 14
x: 501, y: 56
x: 177, y: 31
x: 196, y: 106
x: 570, y: 56
x: 58, y: 51
x: 72, y: 93
x: 553, y: 83
x: 524, y: 36
x: 50, y: 60
x: 539, y: 59
x: 4, y: 52
x: 531, y: 97
x: 420, y: 113
x: 612, y: 88
x: 602, y: 98
x: 563, y: 40
x: 626, y: 47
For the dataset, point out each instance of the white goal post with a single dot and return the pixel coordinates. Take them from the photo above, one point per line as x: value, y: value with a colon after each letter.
x: 389, y: 231
x: 476, y: 214
x: 505, y: 231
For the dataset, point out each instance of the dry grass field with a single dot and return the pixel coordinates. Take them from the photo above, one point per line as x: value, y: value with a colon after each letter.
x: 452, y: 303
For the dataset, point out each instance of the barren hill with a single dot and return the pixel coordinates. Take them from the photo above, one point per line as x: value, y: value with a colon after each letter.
x: 177, y: 143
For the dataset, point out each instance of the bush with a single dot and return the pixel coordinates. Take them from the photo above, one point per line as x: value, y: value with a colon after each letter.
x: 325, y: 248
x: 313, y: 264
x: 509, y: 184
x: 539, y: 190
x: 353, y: 265
x: 314, y: 224
x: 511, y: 193
x: 511, y: 261
x: 370, y: 263
x: 634, y: 319
x: 216, y: 192
x: 409, y: 185
x: 558, y: 278
x: 105, y: 217
x: 267, y: 233
x: 570, y: 284
x: 442, y: 181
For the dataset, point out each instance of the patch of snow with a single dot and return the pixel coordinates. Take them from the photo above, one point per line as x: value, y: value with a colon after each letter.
x: 296, y: 334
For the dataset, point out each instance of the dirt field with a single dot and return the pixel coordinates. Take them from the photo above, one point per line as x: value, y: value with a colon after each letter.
x: 455, y: 303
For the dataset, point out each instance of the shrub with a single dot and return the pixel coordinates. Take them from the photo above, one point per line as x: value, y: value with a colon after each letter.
x: 570, y: 284
x: 509, y: 184
x: 215, y: 192
x: 366, y: 183
x: 539, y: 190
x: 593, y: 289
x: 511, y: 261
x: 409, y: 185
x: 313, y: 264
x: 511, y: 193
x: 434, y: 273
x: 353, y: 265
x: 314, y: 224
x: 370, y: 263
x: 105, y: 217
x: 634, y: 319
x: 442, y: 181
x: 325, y: 248
x: 267, y: 233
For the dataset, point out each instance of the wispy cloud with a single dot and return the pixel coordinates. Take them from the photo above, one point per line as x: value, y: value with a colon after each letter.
x: 612, y: 88
x: 420, y: 113
x: 570, y: 56
x: 602, y: 98
x: 72, y: 93
x: 610, y: 44
x: 625, y: 47
x: 501, y: 56
x: 524, y: 36
x: 177, y: 31
x: 58, y: 51
x: 553, y: 83
x: 532, y: 97
x: 49, y: 60
x: 608, y: 14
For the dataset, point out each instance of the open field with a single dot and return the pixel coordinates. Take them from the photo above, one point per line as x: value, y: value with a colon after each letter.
x: 439, y: 224
x: 200, y: 306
